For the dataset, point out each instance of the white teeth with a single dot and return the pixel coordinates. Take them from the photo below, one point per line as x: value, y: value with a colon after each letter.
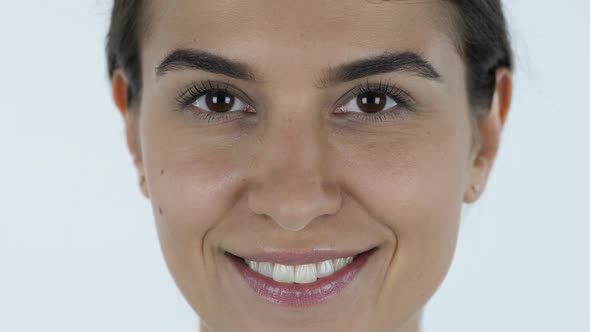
x: 283, y: 273
x: 325, y: 268
x: 305, y: 273
x: 265, y: 269
x: 301, y: 274
x: 253, y: 265
x: 339, y: 263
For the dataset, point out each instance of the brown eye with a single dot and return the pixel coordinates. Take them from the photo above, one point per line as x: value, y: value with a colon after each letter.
x: 219, y: 101
x: 371, y: 102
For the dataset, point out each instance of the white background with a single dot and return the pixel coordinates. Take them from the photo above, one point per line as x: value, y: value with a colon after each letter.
x: 78, y: 248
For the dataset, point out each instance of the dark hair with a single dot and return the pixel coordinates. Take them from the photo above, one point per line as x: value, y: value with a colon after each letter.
x: 123, y: 43
x: 484, y: 44
x: 481, y: 26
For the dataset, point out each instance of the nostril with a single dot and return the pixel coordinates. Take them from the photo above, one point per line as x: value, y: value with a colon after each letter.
x: 295, y: 214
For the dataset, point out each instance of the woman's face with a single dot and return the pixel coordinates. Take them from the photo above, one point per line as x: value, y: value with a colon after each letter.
x: 332, y: 127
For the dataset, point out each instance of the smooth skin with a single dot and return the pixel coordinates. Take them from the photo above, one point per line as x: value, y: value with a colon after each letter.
x: 294, y: 175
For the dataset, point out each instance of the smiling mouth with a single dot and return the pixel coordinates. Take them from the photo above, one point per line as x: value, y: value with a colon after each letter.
x: 314, y: 280
x: 301, y: 274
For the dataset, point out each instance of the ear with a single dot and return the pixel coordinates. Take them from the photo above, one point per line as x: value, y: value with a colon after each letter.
x: 490, y: 127
x: 120, y: 89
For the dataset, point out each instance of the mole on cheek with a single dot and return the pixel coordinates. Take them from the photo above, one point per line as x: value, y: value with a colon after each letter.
x: 162, y: 172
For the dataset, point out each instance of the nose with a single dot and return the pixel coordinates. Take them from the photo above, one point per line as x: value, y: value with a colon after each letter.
x: 291, y: 185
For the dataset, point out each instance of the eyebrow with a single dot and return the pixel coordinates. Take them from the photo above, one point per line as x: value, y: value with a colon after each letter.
x: 206, y: 61
x: 410, y: 62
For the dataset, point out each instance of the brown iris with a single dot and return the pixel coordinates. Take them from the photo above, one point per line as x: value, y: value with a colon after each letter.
x: 371, y: 102
x: 219, y: 101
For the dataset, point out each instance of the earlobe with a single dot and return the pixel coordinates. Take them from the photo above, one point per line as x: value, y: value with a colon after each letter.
x: 143, y: 186
x: 472, y: 193
x: 490, y: 128
x: 120, y: 86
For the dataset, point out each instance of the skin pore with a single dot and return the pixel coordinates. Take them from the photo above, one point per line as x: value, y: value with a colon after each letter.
x: 287, y: 171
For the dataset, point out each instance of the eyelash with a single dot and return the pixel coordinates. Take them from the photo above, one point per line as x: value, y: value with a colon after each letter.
x: 403, y: 100
x: 196, y: 90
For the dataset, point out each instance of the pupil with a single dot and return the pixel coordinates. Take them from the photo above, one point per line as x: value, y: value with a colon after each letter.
x: 371, y: 102
x: 219, y: 101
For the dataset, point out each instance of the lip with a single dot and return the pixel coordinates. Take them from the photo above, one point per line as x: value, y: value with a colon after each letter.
x: 300, y: 295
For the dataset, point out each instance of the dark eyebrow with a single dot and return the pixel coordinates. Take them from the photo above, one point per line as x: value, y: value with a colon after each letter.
x: 201, y: 60
x: 384, y: 63
x: 387, y: 62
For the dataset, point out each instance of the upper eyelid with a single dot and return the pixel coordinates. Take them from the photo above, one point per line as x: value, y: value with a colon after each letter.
x: 223, y: 86
x: 367, y: 86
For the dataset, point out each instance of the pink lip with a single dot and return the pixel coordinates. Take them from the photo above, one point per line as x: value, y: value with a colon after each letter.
x: 300, y: 295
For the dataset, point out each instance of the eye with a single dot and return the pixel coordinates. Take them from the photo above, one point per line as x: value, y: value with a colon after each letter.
x: 369, y: 102
x: 376, y: 102
x: 213, y: 101
x: 219, y: 101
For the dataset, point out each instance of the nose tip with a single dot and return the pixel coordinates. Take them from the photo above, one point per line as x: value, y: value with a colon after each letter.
x: 294, y: 204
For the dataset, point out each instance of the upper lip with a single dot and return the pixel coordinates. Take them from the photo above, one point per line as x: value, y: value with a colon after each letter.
x: 298, y: 257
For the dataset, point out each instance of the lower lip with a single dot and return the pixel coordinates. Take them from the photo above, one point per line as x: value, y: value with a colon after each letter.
x: 300, y: 295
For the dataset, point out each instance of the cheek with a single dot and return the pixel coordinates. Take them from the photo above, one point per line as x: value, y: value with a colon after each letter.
x: 191, y: 190
x: 413, y: 184
x: 413, y: 179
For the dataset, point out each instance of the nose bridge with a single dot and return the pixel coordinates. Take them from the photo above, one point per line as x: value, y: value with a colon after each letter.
x: 291, y: 185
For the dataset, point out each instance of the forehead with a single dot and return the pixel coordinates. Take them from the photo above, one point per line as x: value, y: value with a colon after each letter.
x: 302, y: 32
